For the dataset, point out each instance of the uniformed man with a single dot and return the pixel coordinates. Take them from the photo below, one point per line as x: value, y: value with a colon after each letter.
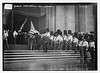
x: 75, y: 43
x: 85, y: 48
x: 70, y: 39
x: 51, y: 40
x: 15, y: 35
x: 47, y: 32
x: 65, y: 40
x: 38, y: 42
x: 46, y: 40
x: 59, y: 40
x: 92, y: 47
x: 31, y: 40
x: 55, y: 42
x: 35, y: 39
x: 81, y: 47
x: 5, y: 36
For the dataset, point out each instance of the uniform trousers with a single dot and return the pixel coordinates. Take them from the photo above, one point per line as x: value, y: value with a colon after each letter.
x: 45, y: 46
x: 30, y: 43
x: 92, y: 52
x: 84, y: 52
x: 65, y: 47
x: 81, y: 51
x: 75, y: 47
x: 69, y: 45
x: 60, y: 45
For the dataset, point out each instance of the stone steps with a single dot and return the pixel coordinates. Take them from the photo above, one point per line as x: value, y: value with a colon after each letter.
x: 13, y: 55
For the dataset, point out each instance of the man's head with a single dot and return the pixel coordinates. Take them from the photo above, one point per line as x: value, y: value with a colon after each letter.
x: 47, y: 29
x: 51, y: 32
x: 65, y: 32
x: 69, y: 32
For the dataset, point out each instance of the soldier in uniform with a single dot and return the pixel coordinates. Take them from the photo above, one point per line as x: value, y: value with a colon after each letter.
x: 31, y: 37
x: 92, y: 49
x: 15, y: 35
x: 81, y: 47
x: 5, y: 39
x: 65, y: 40
x: 85, y: 48
x: 59, y: 40
x: 70, y: 39
x: 55, y: 42
x: 46, y: 40
x: 51, y: 40
x: 92, y: 46
x: 75, y: 43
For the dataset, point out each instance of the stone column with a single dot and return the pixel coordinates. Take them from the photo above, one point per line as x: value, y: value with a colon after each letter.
x: 71, y: 18
x: 77, y: 18
x: 89, y: 21
x: 54, y: 18
x: 82, y: 25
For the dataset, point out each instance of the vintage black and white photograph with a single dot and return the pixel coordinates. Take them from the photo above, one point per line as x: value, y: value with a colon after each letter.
x: 49, y: 36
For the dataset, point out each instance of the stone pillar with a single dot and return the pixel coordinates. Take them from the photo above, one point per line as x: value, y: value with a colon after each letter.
x: 71, y: 18
x: 66, y: 18
x: 95, y: 18
x: 89, y: 21
x: 54, y: 18
x: 47, y: 17
x: 77, y: 18
x: 82, y: 25
x: 51, y: 18
x: 59, y: 18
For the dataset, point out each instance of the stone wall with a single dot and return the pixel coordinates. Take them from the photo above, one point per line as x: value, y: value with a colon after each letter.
x: 70, y: 17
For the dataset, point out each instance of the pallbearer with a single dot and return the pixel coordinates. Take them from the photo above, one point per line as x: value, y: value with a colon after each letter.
x: 32, y: 36
x: 38, y: 42
x: 30, y: 40
x: 15, y: 35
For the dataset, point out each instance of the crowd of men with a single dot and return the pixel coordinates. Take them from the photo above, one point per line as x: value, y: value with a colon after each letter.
x: 66, y: 40
x: 84, y: 42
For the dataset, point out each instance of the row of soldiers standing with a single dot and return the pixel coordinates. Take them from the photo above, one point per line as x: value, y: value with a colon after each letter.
x: 84, y: 42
